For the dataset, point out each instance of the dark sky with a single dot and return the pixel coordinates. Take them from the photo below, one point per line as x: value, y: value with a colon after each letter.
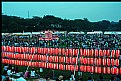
x: 93, y: 11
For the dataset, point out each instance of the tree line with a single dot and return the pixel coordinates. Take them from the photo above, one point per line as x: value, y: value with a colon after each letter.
x: 49, y: 22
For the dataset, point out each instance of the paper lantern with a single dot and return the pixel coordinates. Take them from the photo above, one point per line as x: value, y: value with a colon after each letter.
x: 55, y: 58
x: 100, y: 53
x: 104, y: 70
x: 45, y: 51
x: 67, y: 67
x: 117, y: 62
x: 88, y: 52
x: 91, y: 60
x: 74, y: 60
x: 39, y: 50
x: 56, y: 51
x: 81, y: 60
x: 48, y: 65
x: 85, y: 61
x: 6, y: 48
x: 26, y: 49
x: 96, y: 52
x: 104, y: 62
x: 116, y: 71
x: 117, y: 53
x: 88, y: 60
x: 75, y: 52
x: 67, y: 60
x: 19, y: 49
x: 55, y: 66
x: 108, y: 53
x: 120, y: 70
x: 104, y: 52
x: 96, y: 69
x: 91, y: 52
x: 61, y: 67
x: 35, y: 57
x: 108, y: 70
x: 88, y: 68
x: 59, y: 51
x: 82, y: 68
x: 44, y: 58
x: 42, y: 50
x: 63, y: 51
x: 91, y: 69
x: 44, y: 64
x: 67, y: 52
x: 81, y: 52
x: 32, y: 50
x: 72, y: 67
x: 112, y: 53
x: 62, y: 59
x: 112, y: 62
x: 85, y: 52
x: 51, y: 51
x: 112, y: 70
x: 70, y: 52
x: 3, y: 48
x: 50, y: 59
x: 99, y: 69
x: 85, y: 69
x: 99, y: 61
x: 70, y: 59
x: 108, y: 61
x: 96, y: 61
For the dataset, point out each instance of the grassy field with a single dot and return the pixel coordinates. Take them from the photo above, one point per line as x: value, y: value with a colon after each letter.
x: 65, y: 73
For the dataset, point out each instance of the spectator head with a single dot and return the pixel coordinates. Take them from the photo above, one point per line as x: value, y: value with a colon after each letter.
x: 7, y: 78
x: 89, y: 78
x: 32, y: 69
x: 47, y: 79
x: 100, y: 77
x: 60, y: 77
x: 21, y: 74
x: 112, y: 77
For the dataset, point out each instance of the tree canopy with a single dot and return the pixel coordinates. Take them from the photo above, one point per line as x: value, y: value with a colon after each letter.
x: 49, y: 22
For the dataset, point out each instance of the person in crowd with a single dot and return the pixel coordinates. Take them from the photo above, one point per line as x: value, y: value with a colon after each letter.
x: 38, y: 73
x: 9, y: 72
x: 4, y: 75
x: 112, y: 78
x: 6, y: 67
x: 90, y: 79
x: 118, y: 78
x: 80, y: 78
x: 47, y: 79
x: 13, y: 71
x: 33, y: 73
x: 60, y: 78
x: 16, y: 69
x: 100, y: 78
x: 7, y: 78
x: 72, y: 78
x: 26, y: 74
x: 21, y: 78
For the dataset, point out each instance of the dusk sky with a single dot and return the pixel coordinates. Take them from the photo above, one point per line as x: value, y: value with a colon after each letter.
x: 93, y: 11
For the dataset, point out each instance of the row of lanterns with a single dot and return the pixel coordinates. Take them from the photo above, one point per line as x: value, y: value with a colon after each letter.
x: 63, y: 51
x: 61, y: 59
x: 83, y: 68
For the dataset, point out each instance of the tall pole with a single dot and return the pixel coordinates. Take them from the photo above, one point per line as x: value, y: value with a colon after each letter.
x: 28, y: 14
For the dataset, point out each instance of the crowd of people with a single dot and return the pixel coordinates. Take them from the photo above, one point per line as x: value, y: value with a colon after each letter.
x: 87, y: 41
x: 10, y: 72
x: 95, y: 41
